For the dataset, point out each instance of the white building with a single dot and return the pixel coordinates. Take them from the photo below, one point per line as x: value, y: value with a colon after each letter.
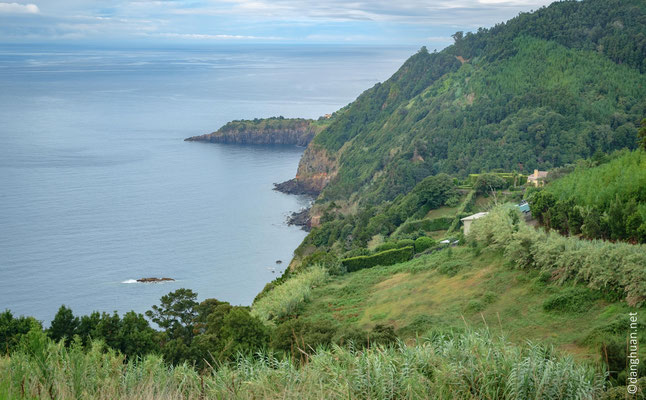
x: 467, y: 221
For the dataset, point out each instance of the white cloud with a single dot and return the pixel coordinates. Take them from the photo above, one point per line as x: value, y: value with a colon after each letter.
x: 15, y: 8
x: 438, y: 12
x: 201, y: 36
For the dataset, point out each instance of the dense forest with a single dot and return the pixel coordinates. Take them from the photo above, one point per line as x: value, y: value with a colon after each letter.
x: 606, y: 201
x: 535, y: 92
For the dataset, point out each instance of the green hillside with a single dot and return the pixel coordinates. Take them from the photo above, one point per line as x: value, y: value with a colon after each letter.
x: 536, y: 92
x: 606, y: 201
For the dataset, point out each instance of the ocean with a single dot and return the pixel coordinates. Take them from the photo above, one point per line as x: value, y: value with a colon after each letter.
x: 98, y: 188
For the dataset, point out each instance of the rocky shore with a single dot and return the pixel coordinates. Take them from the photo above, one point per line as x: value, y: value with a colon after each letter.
x: 294, y: 186
x: 301, y: 218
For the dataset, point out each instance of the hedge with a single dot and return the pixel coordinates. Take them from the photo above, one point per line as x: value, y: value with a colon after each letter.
x: 388, y: 257
x: 395, y: 245
x: 423, y: 243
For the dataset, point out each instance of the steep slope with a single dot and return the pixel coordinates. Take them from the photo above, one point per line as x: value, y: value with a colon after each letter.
x: 540, y: 91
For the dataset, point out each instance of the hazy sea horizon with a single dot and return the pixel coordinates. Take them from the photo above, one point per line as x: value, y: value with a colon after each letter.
x: 99, y: 189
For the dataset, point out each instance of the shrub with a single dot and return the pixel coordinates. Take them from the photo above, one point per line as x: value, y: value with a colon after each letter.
x: 388, y: 257
x: 474, y: 306
x: 405, y: 243
x: 449, y: 267
x: 423, y: 243
x: 322, y: 258
x: 287, y: 298
x: 613, y: 268
x: 359, y: 251
x: 384, y: 247
x: 574, y: 300
x: 295, y: 334
x: 427, y: 225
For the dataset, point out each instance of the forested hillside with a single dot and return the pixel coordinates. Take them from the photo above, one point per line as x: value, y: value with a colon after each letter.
x: 606, y: 201
x: 539, y: 91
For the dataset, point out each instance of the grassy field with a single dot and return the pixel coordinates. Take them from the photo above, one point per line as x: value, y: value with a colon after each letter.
x: 442, y: 212
x: 457, y: 289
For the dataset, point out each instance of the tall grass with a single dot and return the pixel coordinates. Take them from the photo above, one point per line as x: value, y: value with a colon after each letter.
x: 610, y: 267
x: 287, y: 298
x: 472, y: 365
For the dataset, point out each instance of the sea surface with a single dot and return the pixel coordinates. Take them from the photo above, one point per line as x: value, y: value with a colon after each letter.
x: 98, y: 188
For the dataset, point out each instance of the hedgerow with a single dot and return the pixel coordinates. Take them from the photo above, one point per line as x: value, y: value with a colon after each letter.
x: 388, y: 257
x: 613, y: 268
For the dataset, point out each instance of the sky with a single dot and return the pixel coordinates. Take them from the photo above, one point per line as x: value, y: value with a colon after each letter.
x: 384, y: 22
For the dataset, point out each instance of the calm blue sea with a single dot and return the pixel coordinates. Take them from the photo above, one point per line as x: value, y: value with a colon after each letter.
x: 97, y: 187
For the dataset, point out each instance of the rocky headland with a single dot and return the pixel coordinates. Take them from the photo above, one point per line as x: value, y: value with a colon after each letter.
x: 267, y: 131
x: 315, y: 170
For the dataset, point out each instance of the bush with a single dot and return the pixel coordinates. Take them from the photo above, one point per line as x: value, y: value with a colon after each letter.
x: 383, y: 247
x: 449, y: 267
x: 405, y: 243
x: 423, y: 243
x: 428, y: 225
x: 474, y: 306
x: 286, y: 299
x: 295, y: 334
x: 574, y: 300
x: 322, y: 258
x: 359, y: 251
x: 388, y: 257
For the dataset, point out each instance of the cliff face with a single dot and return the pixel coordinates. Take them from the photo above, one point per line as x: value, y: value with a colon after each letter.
x: 274, y: 131
x: 315, y: 170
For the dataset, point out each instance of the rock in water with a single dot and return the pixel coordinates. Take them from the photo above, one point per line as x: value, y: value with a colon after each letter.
x: 152, y: 280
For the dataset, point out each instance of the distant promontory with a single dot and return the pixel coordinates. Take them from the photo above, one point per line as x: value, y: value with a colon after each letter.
x: 272, y: 131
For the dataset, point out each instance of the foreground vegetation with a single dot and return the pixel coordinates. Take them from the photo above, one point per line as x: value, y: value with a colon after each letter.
x: 449, y: 366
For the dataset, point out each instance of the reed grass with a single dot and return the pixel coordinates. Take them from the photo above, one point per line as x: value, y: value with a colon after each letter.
x: 471, y: 365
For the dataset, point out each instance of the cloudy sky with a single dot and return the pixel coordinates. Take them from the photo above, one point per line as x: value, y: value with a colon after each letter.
x: 411, y: 22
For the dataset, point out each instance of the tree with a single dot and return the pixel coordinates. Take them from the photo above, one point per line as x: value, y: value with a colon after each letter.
x: 12, y: 329
x: 488, y: 183
x: 617, y: 219
x: 63, y: 326
x: 243, y: 333
x: 642, y: 134
x: 136, y: 336
x: 591, y: 227
x: 540, y: 204
x: 176, y: 313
